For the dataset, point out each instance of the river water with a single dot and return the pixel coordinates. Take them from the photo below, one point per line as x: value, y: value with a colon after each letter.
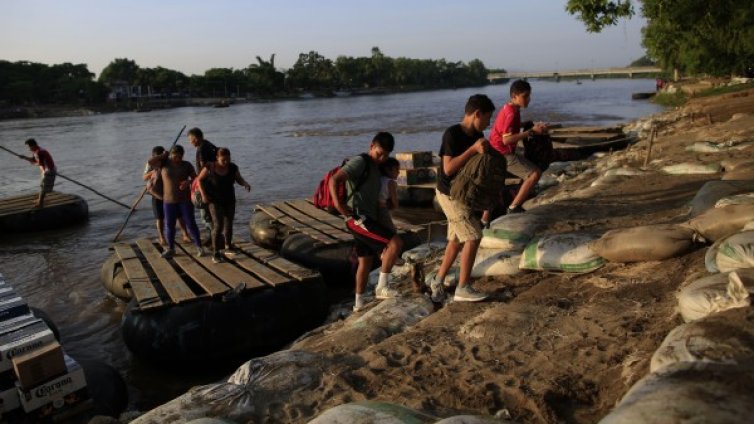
x: 283, y: 148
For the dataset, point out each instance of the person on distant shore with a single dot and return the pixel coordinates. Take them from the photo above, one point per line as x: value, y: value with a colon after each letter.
x: 216, y: 181
x: 176, y: 176
x: 206, y: 152
x: 43, y: 159
x: 460, y: 143
x: 504, y: 137
x: 154, y: 188
x: 362, y: 218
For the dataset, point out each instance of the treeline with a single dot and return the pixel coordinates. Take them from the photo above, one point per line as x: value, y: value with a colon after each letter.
x: 34, y: 83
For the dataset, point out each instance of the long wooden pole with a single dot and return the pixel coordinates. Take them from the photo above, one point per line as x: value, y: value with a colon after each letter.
x: 73, y: 181
x: 143, y: 192
x: 652, y: 134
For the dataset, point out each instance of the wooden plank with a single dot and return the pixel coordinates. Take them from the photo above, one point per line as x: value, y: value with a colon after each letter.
x: 173, y: 284
x: 324, y: 228
x: 141, y: 285
x: 262, y: 271
x: 308, y: 208
x: 228, y: 273
x: 201, y: 276
x: 295, y: 225
x: 277, y: 262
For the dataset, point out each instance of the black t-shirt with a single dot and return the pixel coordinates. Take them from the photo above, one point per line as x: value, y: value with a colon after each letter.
x: 454, y: 142
x: 206, y: 152
x: 221, y: 187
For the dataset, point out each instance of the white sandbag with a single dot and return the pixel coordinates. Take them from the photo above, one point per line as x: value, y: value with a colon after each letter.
x: 726, y: 338
x: 547, y: 181
x: 557, y: 168
x: 739, y: 174
x: 705, y: 147
x: 735, y: 252
x: 624, y: 171
x: 451, y: 278
x: 749, y: 226
x: 646, y: 243
x: 738, y: 199
x: 607, y: 180
x: 561, y: 252
x: 398, y: 275
x: 511, y: 232
x: 738, y: 163
x: 370, y: 412
x: 691, y: 168
x: 473, y: 419
x: 715, y: 293
x: 491, y: 262
x: 424, y: 251
x: 710, y: 257
x: 717, y: 223
x: 712, y: 191
x: 688, y: 392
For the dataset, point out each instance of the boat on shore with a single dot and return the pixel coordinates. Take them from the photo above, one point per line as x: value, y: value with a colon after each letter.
x: 643, y: 96
x: 18, y: 214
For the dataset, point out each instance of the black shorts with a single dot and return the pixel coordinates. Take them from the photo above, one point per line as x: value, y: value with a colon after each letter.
x: 157, y: 210
x: 370, y: 236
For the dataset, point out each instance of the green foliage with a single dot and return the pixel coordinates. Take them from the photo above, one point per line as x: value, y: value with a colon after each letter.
x: 670, y: 99
x: 692, y: 36
x: 28, y: 83
x: 643, y: 61
x: 725, y: 89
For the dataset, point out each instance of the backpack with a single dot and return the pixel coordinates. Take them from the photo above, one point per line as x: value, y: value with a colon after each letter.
x: 479, y: 183
x: 322, y: 198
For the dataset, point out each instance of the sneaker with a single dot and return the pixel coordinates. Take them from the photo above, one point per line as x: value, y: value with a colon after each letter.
x: 200, y: 252
x: 385, y: 292
x: 359, y: 308
x: 438, y: 291
x: 468, y: 293
x: 517, y: 209
x: 485, y: 225
x: 168, y: 253
x: 216, y: 258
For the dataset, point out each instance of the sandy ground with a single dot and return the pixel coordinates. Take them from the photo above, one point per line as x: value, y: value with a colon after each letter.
x: 550, y: 347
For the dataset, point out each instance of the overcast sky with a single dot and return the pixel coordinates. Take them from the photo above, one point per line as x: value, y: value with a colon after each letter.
x: 192, y: 36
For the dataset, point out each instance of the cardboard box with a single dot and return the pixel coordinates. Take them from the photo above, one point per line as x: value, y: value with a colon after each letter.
x: 413, y: 160
x: 12, y: 307
x: 23, y: 340
x: 39, y: 365
x: 56, y: 395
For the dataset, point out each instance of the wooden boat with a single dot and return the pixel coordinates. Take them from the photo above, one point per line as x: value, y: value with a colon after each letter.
x: 643, y: 96
x: 17, y: 214
x: 314, y: 238
x: 187, y: 309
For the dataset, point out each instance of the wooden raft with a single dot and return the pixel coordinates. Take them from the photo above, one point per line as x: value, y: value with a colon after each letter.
x: 157, y: 282
x: 302, y: 216
x: 25, y: 203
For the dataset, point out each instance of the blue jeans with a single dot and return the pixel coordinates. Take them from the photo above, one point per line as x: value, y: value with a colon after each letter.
x: 186, y: 211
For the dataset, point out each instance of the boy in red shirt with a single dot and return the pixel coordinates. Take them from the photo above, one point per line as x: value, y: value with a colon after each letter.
x: 43, y: 159
x: 504, y: 137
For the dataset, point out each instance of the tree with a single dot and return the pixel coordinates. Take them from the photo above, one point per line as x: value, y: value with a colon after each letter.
x: 120, y: 70
x: 643, y: 61
x: 312, y: 71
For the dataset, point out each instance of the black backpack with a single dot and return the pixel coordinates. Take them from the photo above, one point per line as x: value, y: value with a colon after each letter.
x: 479, y: 183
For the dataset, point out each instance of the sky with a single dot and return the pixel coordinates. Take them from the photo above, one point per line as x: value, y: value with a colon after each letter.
x: 192, y: 36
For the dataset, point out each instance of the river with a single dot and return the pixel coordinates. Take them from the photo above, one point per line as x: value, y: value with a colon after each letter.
x: 283, y: 148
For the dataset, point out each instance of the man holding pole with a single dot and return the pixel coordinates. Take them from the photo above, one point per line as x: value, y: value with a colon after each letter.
x: 43, y: 159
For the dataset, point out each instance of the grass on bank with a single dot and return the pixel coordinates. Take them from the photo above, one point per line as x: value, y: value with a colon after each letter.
x: 679, y: 98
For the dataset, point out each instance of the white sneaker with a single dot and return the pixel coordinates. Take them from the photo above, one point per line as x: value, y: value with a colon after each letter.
x: 168, y: 253
x: 438, y: 291
x: 200, y: 252
x: 385, y: 292
x: 468, y: 293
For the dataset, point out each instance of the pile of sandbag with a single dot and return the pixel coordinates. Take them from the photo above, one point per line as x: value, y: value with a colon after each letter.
x: 713, y: 191
x: 371, y: 412
x: 716, y: 293
x: 717, y: 223
x: 645, y: 243
x: 568, y: 252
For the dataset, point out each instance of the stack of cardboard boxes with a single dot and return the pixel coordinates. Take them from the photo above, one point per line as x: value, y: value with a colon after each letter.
x: 416, y: 179
x: 37, y: 380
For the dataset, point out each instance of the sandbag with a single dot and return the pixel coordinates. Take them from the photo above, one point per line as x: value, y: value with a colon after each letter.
x: 646, y: 243
x: 738, y: 163
x: 726, y: 337
x: 710, y: 257
x: 739, y: 174
x: 712, y: 191
x: 717, y: 223
x: 424, y: 251
x: 369, y: 412
x: 735, y: 252
x: 738, y: 199
x: 561, y: 252
x: 716, y: 293
x: 688, y: 392
x: 491, y: 262
x: 607, y: 180
x: 473, y: 419
x: 511, y: 232
x: 691, y: 168
x: 624, y: 171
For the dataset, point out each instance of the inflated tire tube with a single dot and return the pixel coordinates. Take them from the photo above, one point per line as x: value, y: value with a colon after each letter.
x: 47, y: 218
x: 334, y: 261
x: 254, y: 322
x: 114, y: 279
x: 47, y: 320
x: 416, y: 195
x: 266, y: 232
x: 106, y: 387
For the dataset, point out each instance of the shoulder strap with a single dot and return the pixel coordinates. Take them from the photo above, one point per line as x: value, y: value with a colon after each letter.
x: 363, y: 177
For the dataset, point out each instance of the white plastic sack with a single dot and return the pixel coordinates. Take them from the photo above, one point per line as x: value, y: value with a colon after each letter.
x: 547, y: 181
x: 717, y: 223
x: 713, y: 191
x: 645, y: 243
x: 710, y: 257
x: 716, y: 293
x: 491, y: 262
x: 607, y: 180
x: 624, y: 171
x: 738, y: 199
x: 561, y: 252
x: 724, y: 338
x: 370, y: 412
x: 688, y: 392
x: 735, y: 252
x: 691, y: 168
x: 424, y: 251
x: 511, y: 232
x: 705, y: 147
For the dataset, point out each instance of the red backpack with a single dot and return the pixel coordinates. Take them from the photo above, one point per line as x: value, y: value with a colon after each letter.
x: 322, y: 198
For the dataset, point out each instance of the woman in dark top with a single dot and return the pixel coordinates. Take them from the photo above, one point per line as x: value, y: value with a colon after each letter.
x: 216, y: 186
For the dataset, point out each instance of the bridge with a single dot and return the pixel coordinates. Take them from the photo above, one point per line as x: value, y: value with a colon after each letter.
x: 583, y: 73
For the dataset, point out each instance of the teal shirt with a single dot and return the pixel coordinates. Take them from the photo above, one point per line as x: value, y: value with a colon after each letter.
x: 364, y: 200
